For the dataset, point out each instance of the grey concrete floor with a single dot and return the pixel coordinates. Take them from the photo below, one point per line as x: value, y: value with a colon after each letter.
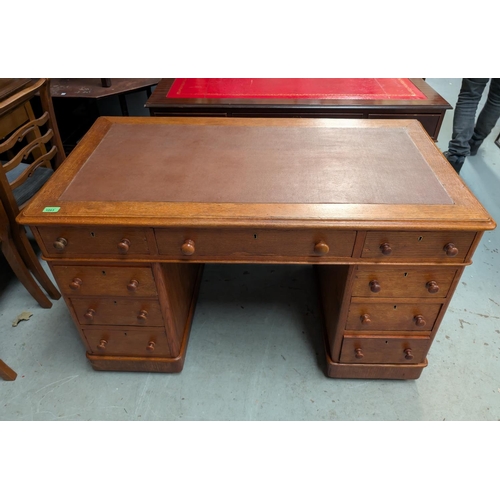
x: 255, y: 353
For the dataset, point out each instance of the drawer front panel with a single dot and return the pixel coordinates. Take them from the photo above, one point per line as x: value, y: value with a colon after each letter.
x: 388, y: 316
x: 105, y: 281
x: 402, y: 282
x: 368, y: 349
x: 120, y: 242
x: 240, y: 244
x: 117, y: 312
x: 143, y: 342
x: 396, y: 245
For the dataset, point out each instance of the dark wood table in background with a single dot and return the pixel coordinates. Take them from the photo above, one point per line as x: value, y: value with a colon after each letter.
x: 76, y: 102
x: 429, y: 111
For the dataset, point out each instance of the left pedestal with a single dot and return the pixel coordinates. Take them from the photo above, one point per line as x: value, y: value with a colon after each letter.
x: 131, y: 316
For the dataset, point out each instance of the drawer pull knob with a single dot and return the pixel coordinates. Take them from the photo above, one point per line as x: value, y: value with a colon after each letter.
x: 60, y: 243
x: 432, y: 287
x: 124, y: 246
x: 451, y: 250
x: 419, y: 320
x: 365, y: 319
x: 132, y: 285
x: 408, y: 354
x: 375, y: 286
x: 321, y: 248
x: 102, y: 345
x: 76, y: 284
x: 358, y: 353
x: 151, y: 346
x: 143, y: 315
x: 89, y: 314
x: 188, y: 247
x: 386, y: 249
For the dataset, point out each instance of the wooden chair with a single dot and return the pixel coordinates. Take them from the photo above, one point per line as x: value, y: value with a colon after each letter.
x: 18, y: 265
x: 27, y: 160
x: 6, y: 372
x: 30, y: 151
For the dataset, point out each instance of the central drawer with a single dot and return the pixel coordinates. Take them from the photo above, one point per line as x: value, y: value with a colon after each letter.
x: 243, y: 243
x: 105, y: 280
x: 117, y: 312
x: 389, y: 316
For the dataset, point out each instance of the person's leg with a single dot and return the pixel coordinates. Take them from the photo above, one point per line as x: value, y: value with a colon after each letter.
x: 487, y: 118
x: 465, y: 114
x: 464, y: 119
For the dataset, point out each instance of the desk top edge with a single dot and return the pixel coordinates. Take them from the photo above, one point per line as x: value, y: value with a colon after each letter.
x: 469, y: 213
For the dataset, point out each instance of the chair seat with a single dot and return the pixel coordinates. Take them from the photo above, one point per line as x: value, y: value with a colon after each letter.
x: 32, y: 184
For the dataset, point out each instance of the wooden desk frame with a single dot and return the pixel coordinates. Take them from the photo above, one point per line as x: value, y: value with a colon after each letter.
x: 99, y: 252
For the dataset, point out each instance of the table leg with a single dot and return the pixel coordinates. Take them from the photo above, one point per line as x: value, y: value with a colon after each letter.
x: 123, y: 104
x: 6, y: 372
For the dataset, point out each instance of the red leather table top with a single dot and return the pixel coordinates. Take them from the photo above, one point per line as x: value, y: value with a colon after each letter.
x: 295, y: 88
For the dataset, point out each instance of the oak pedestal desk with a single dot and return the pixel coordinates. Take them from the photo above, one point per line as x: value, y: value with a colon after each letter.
x: 127, y: 222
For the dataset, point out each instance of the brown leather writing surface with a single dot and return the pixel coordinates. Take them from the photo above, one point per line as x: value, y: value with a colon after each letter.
x: 256, y: 164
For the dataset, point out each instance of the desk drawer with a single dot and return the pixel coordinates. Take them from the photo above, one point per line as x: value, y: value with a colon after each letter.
x: 105, y: 281
x: 369, y: 349
x: 237, y: 244
x: 386, y: 281
x: 117, y: 312
x: 71, y: 241
x: 396, y: 245
x: 389, y: 316
x: 130, y: 342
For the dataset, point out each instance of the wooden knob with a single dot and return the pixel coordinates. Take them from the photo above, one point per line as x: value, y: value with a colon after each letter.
x: 321, y: 248
x: 143, y: 315
x: 89, y: 314
x: 188, y: 247
x: 60, y: 243
x: 124, y: 246
x: 132, y: 285
x: 358, y: 353
x: 419, y: 320
x: 432, y: 287
x: 102, y: 344
x: 408, y: 354
x: 386, y: 249
x: 76, y: 284
x: 450, y: 249
x: 151, y: 346
x: 374, y: 286
x: 365, y: 319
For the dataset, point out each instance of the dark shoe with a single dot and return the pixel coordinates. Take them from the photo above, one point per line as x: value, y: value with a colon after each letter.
x: 456, y: 161
x: 474, y: 146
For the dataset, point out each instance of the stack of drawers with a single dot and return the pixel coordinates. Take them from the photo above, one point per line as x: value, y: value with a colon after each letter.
x: 132, y: 314
x: 117, y: 309
x: 392, y: 306
x: 392, y: 313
